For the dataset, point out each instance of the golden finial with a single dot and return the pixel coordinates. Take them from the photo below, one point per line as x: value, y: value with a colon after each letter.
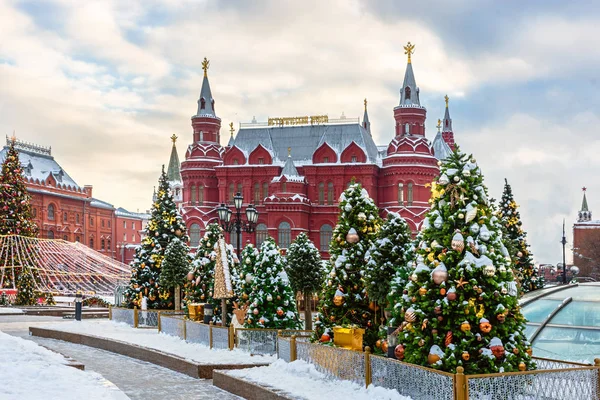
x: 205, y: 65
x: 231, y: 128
x: 446, y: 98
x: 439, y: 125
x: 289, y: 151
x: 174, y: 139
x: 13, y: 138
x: 409, y: 49
x: 365, y: 104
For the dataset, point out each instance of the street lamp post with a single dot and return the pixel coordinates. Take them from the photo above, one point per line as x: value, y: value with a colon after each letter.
x: 564, y: 242
x: 236, y: 225
x: 122, y: 246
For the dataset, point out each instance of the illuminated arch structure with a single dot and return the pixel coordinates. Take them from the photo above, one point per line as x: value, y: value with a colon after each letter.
x: 63, y: 267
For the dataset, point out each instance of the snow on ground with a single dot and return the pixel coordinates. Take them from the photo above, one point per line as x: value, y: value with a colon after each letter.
x: 300, y: 379
x: 160, y: 341
x: 32, y: 372
x: 10, y: 310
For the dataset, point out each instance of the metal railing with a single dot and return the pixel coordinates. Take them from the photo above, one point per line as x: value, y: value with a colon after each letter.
x: 263, y: 341
x: 138, y: 318
x: 555, y: 380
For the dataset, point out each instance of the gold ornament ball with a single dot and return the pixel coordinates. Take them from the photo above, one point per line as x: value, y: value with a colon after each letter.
x: 422, y: 291
x: 433, y: 358
x: 485, y: 327
x: 178, y: 232
x: 522, y: 366
x: 466, y: 356
x: 399, y: 352
x: 384, y: 346
x: 465, y: 327
x: 529, y: 352
x: 439, y: 276
x: 516, y: 350
x: 352, y: 236
x: 332, y: 318
x: 378, y: 344
x: 421, y: 343
x: 338, y: 300
x: 325, y: 338
x: 190, y: 276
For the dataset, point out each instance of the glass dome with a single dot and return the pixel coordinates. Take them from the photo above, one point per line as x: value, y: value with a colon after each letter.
x: 564, y: 322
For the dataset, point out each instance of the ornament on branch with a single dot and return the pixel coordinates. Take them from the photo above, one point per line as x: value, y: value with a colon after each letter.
x: 458, y: 242
x: 352, y: 236
x: 471, y: 213
x: 439, y: 274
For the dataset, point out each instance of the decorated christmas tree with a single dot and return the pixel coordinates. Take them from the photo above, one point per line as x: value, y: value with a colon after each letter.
x: 247, y: 264
x: 344, y: 301
x: 517, y: 242
x: 305, y: 271
x: 386, y: 258
x: 460, y: 307
x: 175, y: 267
x: 272, y: 302
x: 398, y: 283
x: 15, y: 208
x: 165, y: 224
x: 26, y: 295
x: 200, y: 288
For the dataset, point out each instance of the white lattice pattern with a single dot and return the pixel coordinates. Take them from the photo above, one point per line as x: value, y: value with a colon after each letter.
x: 220, y: 338
x: 63, y: 267
x: 333, y: 362
x: 197, y: 332
x: 172, y: 325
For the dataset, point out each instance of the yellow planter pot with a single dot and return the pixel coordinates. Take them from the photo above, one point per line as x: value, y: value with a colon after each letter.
x: 196, y: 311
x: 348, y: 338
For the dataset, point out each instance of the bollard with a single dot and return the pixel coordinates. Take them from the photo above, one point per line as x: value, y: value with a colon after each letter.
x: 135, y: 317
x: 368, y: 378
x: 78, y: 306
x: 460, y: 385
x: 293, y: 353
x: 110, y: 312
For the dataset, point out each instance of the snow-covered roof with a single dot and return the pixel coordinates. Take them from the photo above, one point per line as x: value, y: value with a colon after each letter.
x: 441, y: 150
x: 40, y: 165
x: 304, y: 140
x: 101, y: 204
x: 121, y: 212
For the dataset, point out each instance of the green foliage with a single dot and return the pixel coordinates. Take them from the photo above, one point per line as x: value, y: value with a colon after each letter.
x: 460, y: 248
x: 4, y: 299
x: 247, y: 264
x: 387, y: 257
x: 304, y: 265
x: 94, y: 301
x: 360, y: 216
x: 26, y: 293
x: 49, y: 299
x: 175, y: 265
x: 272, y: 303
x: 164, y: 225
x: 516, y: 240
x: 15, y: 208
x: 200, y: 288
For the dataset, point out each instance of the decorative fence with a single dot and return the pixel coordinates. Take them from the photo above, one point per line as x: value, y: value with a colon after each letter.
x: 213, y: 336
x: 554, y: 380
x: 263, y: 341
x: 138, y: 318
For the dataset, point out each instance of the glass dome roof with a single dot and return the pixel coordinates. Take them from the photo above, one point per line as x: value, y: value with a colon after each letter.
x: 564, y: 322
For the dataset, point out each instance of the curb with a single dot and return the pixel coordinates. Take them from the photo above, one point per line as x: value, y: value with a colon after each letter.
x: 169, y: 361
x: 245, y: 389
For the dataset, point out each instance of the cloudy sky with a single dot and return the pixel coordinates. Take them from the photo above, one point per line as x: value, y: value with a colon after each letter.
x: 106, y: 83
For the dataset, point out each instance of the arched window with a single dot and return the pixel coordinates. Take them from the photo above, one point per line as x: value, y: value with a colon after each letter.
x: 409, y: 197
x: 261, y: 234
x: 407, y: 93
x: 102, y: 244
x: 107, y: 244
x: 92, y: 243
x: 231, y: 192
x: 284, y: 234
x: 34, y: 212
x: 326, y: 232
x: 212, y: 103
x: 65, y: 238
x: 51, y: 212
x: 202, y: 103
x: 321, y: 193
x: 50, y: 234
x: 330, y: 193
x: 77, y: 239
x: 233, y: 238
x: 201, y: 195
x: 256, y: 194
x: 401, y: 193
x: 65, y: 217
x: 239, y: 188
x: 176, y: 192
x: 407, y: 128
x: 194, y: 235
x: 77, y: 218
x: 284, y: 187
x: 193, y: 195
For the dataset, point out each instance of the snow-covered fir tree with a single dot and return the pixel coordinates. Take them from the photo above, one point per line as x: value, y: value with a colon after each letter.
x: 175, y: 267
x: 460, y: 307
x: 200, y: 288
x: 517, y: 238
x: 165, y: 224
x: 386, y: 258
x: 272, y: 303
x: 26, y: 295
x: 305, y: 271
x: 249, y: 257
x: 344, y: 301
x: 399, y: 281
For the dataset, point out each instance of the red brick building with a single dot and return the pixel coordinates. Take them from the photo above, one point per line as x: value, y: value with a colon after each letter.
x: 64, y: 210
x: 586, y: 242
x: 294, y: 169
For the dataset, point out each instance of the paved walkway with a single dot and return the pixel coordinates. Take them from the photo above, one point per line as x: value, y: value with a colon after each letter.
x: 137, y: 379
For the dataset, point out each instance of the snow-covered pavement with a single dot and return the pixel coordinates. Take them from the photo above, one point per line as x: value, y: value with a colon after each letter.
x: 32, y: 372
x: 150, y: 338
x: 10, y: 310
x: 300, y: 379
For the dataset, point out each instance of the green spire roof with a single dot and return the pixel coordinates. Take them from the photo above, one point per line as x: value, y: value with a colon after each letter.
x: 173, y: 172
x: 584, y: 205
